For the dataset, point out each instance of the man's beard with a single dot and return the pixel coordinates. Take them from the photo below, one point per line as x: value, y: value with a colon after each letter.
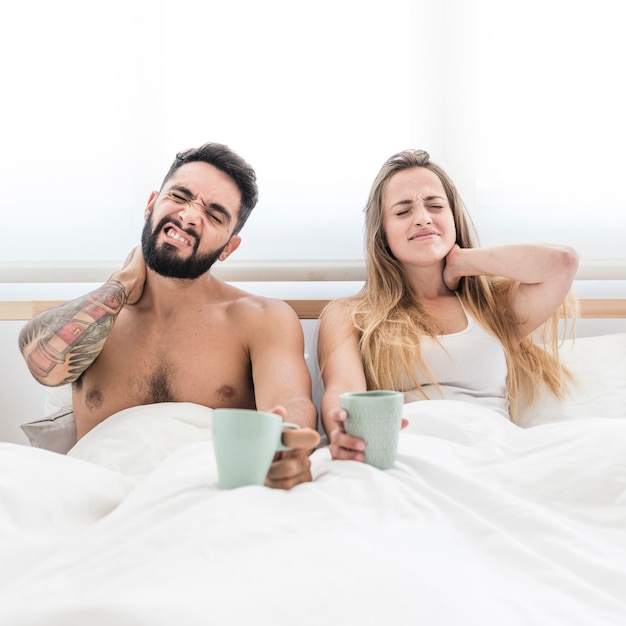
x: 166, y: 261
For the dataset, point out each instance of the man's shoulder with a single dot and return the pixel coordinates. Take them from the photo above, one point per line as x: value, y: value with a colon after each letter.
x: 262, y: 318
x: 222, y: 295
x: 252, y: 304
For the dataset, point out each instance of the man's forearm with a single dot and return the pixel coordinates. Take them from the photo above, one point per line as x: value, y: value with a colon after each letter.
x: 302, y: 412
x: 60, y: 344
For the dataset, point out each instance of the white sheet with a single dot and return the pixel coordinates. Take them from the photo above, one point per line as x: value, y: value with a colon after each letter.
x: 480, y: 522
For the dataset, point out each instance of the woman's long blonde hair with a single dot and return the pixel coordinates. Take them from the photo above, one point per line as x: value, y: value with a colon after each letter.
x: 391, y: 321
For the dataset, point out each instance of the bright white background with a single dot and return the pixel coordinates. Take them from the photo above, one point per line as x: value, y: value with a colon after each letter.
x: 104, y: 95
x: 522, y: 102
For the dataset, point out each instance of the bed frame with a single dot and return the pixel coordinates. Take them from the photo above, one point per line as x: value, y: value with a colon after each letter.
x: 590, y: 308
x: 273, y: 271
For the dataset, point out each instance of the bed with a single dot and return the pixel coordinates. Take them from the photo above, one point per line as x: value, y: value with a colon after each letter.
x: 479, y: 522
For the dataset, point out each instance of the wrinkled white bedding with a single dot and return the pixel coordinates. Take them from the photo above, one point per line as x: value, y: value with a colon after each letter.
x: 480, y: 522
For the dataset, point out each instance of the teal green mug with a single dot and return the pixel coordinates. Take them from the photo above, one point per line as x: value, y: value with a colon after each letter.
x: 245, y: 441
x: 375, y: 417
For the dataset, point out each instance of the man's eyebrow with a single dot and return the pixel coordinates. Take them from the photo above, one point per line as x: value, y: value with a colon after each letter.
x: 194, y: 198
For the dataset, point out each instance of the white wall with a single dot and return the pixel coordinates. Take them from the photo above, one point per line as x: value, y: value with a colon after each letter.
x: 550, y: 123
x: 22, y: 398
x: 520, y: 101
x: 102, y: 97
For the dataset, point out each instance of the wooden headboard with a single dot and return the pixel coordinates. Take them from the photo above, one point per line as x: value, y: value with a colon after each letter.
x: 273, y: 271
x: 593, y: 308
x: 25, y: 309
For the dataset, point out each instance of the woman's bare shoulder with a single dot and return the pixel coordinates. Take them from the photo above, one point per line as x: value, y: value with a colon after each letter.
x: 339, y: 314
x: 345, y: 304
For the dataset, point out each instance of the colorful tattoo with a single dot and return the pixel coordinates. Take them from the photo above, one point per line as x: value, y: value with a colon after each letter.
x: 77, y: 329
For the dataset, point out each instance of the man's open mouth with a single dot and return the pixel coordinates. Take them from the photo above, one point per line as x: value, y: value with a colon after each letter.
x: 172, y: 233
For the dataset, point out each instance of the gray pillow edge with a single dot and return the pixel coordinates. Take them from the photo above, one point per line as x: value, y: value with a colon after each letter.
x: 56, y: 432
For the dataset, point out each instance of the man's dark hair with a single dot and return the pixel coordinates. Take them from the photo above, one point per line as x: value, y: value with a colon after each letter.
x: 223, y: 158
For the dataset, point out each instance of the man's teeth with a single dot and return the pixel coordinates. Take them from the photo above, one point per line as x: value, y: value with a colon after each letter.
x: 172, y: 234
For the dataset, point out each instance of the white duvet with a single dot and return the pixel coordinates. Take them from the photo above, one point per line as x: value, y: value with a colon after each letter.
x: 479, y: 522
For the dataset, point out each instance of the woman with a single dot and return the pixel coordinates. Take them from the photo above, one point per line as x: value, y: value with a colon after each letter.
x: 439, y: 317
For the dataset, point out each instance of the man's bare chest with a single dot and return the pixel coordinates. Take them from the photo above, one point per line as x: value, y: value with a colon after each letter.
x: 138, y: 366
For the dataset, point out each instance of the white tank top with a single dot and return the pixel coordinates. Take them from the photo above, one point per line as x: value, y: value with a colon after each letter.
x: 469, y: 365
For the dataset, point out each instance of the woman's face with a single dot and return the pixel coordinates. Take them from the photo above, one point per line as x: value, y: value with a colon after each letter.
x: 417, y: 218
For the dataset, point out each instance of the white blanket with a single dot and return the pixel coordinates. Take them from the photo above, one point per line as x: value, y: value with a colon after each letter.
x: 479, y: 522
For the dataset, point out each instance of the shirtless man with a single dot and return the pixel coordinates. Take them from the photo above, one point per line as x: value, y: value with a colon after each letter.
x: 164, y: 329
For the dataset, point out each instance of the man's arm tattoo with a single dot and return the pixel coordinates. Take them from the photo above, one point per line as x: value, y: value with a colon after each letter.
x: 73, y: 334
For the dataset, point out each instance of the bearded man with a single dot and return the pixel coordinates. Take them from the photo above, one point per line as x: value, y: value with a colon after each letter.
x: 164, y: 329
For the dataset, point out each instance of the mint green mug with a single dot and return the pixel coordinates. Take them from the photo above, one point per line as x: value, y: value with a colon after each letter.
x: 245, y: 441
x: 375, y: 417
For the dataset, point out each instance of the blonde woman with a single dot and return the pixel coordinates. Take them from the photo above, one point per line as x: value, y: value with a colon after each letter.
x: 439, y: 317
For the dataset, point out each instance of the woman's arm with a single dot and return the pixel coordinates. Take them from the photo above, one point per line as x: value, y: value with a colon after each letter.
x: 544, y: 272
x: 342, y: 371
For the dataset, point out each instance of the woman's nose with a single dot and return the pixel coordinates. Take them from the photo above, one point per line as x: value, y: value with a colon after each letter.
x: 422, y: 216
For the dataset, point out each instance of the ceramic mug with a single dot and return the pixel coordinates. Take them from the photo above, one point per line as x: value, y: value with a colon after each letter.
x: 245, y: 441
x: 375, y: 417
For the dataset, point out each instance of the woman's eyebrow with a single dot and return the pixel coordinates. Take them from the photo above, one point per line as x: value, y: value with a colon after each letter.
x: 409, y: 202
x: 401, y: 202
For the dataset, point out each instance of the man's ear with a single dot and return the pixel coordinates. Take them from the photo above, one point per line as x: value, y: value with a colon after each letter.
x: 150, y: 205
x: 231, y: 246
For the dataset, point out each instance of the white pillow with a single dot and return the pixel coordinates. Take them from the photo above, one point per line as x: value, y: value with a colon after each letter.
x: 599, y: 364
x: 57, y: 430
x: 57, y: 398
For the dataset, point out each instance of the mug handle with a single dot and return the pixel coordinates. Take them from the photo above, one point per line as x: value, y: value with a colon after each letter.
x: 281, y: 446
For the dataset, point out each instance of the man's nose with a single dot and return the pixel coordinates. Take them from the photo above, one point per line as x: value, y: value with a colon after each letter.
x: 190, y: 213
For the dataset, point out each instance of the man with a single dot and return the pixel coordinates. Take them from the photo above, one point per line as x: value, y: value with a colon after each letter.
x: 164, y: 329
